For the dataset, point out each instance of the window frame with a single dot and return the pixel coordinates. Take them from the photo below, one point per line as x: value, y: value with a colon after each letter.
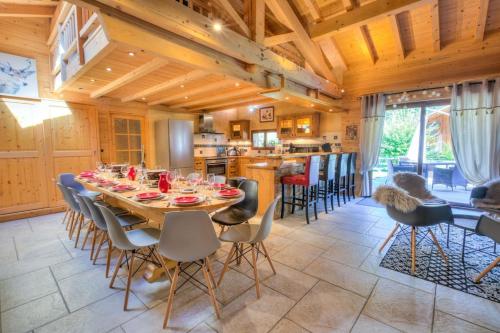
x: 265, y: 131
x: 115, y: 151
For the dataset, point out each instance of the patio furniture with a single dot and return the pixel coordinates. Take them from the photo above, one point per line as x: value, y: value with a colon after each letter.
x: 411, y: 211
x: 393, y: 169
x: 490, y: 227
x: 450, y: 177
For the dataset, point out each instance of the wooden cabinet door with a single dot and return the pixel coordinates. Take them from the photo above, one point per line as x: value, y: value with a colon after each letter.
x: 286, y: 127
x: 71, y: 136
x: 306, y: 126
x: 23, y: 184
x: 239, y: 129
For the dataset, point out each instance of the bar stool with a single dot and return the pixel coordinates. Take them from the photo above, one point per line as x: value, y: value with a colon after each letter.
x: 351, y: 175
x: 327, y: 178
x: 341, y: 177
x: 309, y: 185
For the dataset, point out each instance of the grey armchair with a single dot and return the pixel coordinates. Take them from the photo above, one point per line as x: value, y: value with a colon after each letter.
x: 488, y: 227
x: 487, y: 196
x: 411, y: 211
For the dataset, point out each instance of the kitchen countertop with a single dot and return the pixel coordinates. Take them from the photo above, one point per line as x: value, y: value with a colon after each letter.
x: 273, y: 156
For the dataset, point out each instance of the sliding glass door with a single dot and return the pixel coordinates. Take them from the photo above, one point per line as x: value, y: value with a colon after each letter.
x: 417, y: 139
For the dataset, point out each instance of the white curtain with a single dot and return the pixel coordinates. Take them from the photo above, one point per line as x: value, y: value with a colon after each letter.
x: 372, y: 127
x: 475, y: 126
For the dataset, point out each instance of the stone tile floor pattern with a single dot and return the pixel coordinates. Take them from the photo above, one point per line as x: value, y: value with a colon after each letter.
x: 328, y: 280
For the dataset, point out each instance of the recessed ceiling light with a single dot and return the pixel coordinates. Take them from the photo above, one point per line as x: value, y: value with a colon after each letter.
x: 312, y: 105
x: 287, y: 98
x: 237, y: 84
x: 131, y: 54
x: 144, y: 98
x: 92, y: 80
x: 185, y: 97
x: 108, y: 69
x: 182, y: 86
x: 342, y: 90
x: 327, y: 81
x: 330, y: 110
x: 217, y: 26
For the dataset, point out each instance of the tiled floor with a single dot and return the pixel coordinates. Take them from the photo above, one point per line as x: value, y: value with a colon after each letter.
x: 328, y: 280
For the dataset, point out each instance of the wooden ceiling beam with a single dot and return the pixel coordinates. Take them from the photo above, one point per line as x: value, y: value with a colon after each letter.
x: 396, y: 30
x: 313, y: 8
x: 332, y: 53
x: 348, y: 4
x: 258, y: 20
x: 18, y: 10
x: 189, y: 93
x: 175, y: 82
x: 235, y: 16
x: 481, y: 19
x: 233, y: 103
x: 370, y: 47
x: 131, y: 76
x: 279, y: 39
x: 194, y: 32
x: 362, y: 15
x: 241, y: 93
x: 436, y: 31
x: 309, y: 49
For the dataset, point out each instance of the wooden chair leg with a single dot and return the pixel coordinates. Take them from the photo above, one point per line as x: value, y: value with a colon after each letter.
x: 413, y: 249
x: 239, y: 251
x: 89, y: 230
x: 95, y: 234
x: 117, y: 268
x: 108, y: 256
x: 268, y: 257
x: 487, y: 269
x: 71, y: 224
x: 65, y: 215
x: 163, y: 265
x: 226, y: 264
x: 211, y: 292
x: 171, y: 295
x: 101, y: 241
x: 210, y: 271
x: 389, y: 237
x: 255, y: 271
x: 438, y: 246
x: 222, y: 228
x: 129, y: 280
x: 80, y: 223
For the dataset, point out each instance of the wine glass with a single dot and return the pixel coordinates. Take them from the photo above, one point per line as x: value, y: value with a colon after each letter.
x: 171, y: 178
x: 124, y: 170
x: 211, y: 180
x: 193, y: 179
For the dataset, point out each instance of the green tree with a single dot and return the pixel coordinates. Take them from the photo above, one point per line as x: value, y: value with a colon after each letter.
x: 399, y: 128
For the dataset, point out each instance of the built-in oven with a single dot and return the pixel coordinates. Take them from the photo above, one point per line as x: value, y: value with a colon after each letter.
x: 217, y: 166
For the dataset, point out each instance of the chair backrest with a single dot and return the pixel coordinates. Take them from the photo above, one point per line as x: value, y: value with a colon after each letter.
x: 412, y: 183
x: 341, y: 167
x: 390, y: 167
x: 312, y: 169
x: 236, y: 181
x: 266, y: 222
x: 220, y: 179
x: 95, y: 212
x: 352, y: 164
x: 251, y: 200
x: 69, y: 198
x: 188, y: 236
x: 83, y: 206
x: 329, y: 166
x: 115, y: 230
x: 489, y: 228
x: 68, y: 180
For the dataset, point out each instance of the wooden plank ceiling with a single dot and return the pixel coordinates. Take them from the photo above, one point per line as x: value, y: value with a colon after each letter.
x: 327, y: 37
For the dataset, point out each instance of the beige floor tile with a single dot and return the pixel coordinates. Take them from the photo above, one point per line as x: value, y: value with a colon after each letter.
x: 150, y: 293
x: 31, y: 264
x: 298, y: 255
x: 117, y: 330
x: 354, y: 237
x: 311, y: 238
x: 321, y: 227
x: 71, y: 267
x: 287, y: 326
x: 191, y: 306
x: 379, y: 232
x: 7, y: 250
x: 98, y: 317
x: 327, y: 308
x: 400, y: 306
x: 343, y: 276
x: 14, y: 228
x: 33, y: 314
x: 287, y: 281
x: 27, y: 287
x: 38, y: 246
x: 233, y: 284
x: 445, y: 323
x: 471, y: 308
x: 368, y: 325
x: 276, y: 243
x: 347, y: 253
x: 202, y: 328
x: 249, y: 314
x: 87, y: 287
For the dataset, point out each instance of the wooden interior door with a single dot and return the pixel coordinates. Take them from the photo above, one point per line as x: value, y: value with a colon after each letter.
x: 71, y: 136
x: 23, y: 184
x: 128, y: 138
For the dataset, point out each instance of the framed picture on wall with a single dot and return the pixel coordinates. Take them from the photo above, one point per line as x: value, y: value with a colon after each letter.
x: 18, y: 76
x: 266, y: 115
x: 351, y: 132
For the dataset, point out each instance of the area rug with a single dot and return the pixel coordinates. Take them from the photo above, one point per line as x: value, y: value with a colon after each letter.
x: 458, y: 274
x: 369, y: 202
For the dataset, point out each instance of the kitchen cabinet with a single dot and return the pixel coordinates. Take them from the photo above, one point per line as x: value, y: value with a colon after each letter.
x: 239, y: 129
x: 298, y: 126
x: 232, y: 167
x: 199, y: 166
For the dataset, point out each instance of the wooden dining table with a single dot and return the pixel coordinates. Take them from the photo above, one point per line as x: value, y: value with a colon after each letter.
x: 154, y: 210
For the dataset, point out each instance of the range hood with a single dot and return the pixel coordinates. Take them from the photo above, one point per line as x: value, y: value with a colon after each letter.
x: 206, y: 124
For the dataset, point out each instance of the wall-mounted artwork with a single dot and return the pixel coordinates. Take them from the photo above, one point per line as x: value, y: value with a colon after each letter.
x: 266, y: 115
x: 351, y: 132
x: 18, y: 76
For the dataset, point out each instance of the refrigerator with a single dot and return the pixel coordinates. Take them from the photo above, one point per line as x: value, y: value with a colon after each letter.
x: 174, y: 145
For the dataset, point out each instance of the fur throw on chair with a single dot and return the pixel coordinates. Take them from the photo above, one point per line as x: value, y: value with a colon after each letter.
x: 396, y: 197
x: 414, y: 184
x: 490, y: 198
